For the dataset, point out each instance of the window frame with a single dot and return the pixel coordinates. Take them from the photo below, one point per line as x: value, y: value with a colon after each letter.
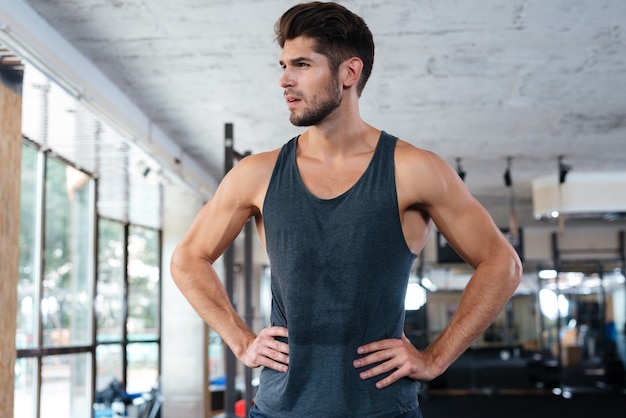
x: 38, y: 352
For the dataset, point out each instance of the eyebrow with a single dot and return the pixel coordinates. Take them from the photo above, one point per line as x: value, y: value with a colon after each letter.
x: 296, y: 60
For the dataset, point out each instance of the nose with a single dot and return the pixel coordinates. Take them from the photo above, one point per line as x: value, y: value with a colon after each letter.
x: 286, y: 80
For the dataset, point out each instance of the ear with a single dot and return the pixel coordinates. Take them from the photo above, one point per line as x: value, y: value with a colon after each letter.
x: 352, y: 71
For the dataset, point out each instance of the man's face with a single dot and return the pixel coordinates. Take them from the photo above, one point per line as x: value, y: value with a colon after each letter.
x: 311, y: 90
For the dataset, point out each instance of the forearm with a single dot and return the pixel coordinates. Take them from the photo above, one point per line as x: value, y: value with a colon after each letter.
x: 484, y: 297
x: 199, y: 283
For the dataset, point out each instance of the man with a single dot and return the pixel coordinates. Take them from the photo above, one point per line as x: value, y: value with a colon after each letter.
x: 342, y: 210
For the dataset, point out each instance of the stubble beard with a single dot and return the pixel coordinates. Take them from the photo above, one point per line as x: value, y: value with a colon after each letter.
x: 321, y: 106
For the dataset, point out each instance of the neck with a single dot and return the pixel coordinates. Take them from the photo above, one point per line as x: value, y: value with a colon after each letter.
x: 338, y: 140
x: 342, y: 132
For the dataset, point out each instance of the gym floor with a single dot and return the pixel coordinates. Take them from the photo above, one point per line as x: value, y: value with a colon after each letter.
x: 523, y: 406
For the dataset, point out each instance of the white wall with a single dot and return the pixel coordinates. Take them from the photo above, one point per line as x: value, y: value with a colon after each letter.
x: 183, y: 355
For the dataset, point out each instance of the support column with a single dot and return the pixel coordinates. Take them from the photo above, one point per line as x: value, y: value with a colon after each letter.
x: 230, y: 395
x: 184, y: 360
x: 248, y: 307
x: 11, y: 76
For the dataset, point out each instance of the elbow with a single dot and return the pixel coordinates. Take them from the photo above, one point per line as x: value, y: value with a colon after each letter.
x: 516, y: 272
x: 186, y: 264
x: 178, y: 261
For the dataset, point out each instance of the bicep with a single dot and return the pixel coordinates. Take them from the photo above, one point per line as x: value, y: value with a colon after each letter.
x: 461, y: 219
x: 470, y: 230
x: 219, y: 222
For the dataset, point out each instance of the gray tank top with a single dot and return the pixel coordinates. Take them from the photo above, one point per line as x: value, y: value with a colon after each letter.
x: 339, y: 271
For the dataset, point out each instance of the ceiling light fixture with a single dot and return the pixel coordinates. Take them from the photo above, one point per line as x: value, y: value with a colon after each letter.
x: 513, y: 223
x: 563, y: 170
x: 459, y: 169
x: 508, y: 182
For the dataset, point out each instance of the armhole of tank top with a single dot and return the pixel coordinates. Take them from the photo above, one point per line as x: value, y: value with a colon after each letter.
x: 282, y: 154
x: 397, y: 201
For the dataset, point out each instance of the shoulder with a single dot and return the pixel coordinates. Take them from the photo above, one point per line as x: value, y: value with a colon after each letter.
x: 247, y: 182
x: 256, y: 165
x: 411, y: 160
x: 255, y: 168
x: 422, y: 176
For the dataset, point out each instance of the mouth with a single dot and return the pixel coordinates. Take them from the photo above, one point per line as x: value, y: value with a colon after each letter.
x: 292, y: 100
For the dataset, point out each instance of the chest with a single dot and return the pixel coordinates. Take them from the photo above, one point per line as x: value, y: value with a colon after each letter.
x: 330, y: 179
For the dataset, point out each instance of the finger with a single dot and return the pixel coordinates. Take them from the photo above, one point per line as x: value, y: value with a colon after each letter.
x: 377, y: 346
x: 276, y: 331
x: 369, y: 348
x: 276, y: 355
x: 376, y: 357
x: 272, y: 364
x: 279, y: 367
x: 280, y: 347
x: 387, y: 349
x: 262, y: 355
x: 378, y: 370
x: 267, y: 337
x: 393, y: 377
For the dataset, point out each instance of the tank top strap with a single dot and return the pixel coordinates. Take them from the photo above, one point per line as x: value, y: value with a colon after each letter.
x: 380, y: 174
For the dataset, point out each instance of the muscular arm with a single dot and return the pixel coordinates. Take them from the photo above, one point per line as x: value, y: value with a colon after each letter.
x: 439, y: 192
x: 497, y: 269
x: 238, y: 197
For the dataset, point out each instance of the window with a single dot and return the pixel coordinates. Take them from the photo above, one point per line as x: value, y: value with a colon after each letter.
x: 128, y: 328
x: 27, y: 289
x: 110, y: 286
x: 89, y: 297
x: 143, y: 284
x: 54, y: 288
x: 67, y: 260
x: 143, y: 325
x: 65, y: 383
x: 25, y: 387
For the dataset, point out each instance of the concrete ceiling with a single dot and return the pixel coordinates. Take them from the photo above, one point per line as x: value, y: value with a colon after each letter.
x: 476, y: 80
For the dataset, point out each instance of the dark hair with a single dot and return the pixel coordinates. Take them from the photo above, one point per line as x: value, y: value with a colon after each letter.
x: 339, y: 34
